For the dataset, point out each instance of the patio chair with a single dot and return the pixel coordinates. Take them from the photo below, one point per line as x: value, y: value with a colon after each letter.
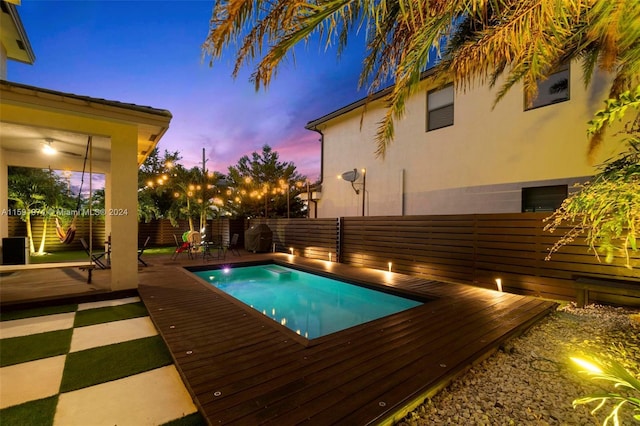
x: 211, y: 244
x: 181, y: 247
x: 194, y: 238
x: 233, y: 245
x: 141, y: 251
x: 96, y: 257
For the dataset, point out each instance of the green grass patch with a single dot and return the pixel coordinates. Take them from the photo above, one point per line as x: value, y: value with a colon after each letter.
x: 15, y: 350
x: 60, y: 256
x: 36, y: 312
x: 98, y: 365
x: 32, y: 413
x: 80, y: 255
x: 110, y: 313
x: 194, y: 419
x: 159, y: 250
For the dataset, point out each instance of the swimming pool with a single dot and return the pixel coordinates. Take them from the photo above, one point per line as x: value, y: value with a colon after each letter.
x: 308, y: 304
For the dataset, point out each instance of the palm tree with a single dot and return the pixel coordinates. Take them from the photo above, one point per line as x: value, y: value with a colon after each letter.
x: 36, y: 192
x: 522, y: 41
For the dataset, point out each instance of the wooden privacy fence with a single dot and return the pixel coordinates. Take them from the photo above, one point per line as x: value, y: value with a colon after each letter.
x: 18, y: 228
x: 473, y: 249
x: 160, y: 231
x: 312, y: 238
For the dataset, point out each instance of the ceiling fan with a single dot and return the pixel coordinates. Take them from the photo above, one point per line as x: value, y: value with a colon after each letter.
x: 49, y: 149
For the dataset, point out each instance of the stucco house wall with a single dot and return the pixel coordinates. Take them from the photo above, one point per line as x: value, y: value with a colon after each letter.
x: 478, y: 165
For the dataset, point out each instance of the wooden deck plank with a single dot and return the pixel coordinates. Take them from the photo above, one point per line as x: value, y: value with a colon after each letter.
x: 393, y: 362
x: 242, y: 369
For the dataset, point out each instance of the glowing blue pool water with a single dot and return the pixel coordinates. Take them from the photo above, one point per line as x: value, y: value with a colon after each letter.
x: 308, y: 304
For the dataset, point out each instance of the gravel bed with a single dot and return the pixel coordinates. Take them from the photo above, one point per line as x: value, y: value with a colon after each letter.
x: 531, y: 380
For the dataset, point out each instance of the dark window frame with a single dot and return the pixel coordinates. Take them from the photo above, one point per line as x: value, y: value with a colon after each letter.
x: 564, y: 68
x: 530, y: 194
x: 429, y: 111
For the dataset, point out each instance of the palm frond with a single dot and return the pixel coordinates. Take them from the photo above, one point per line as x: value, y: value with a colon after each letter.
x: 480, y: 41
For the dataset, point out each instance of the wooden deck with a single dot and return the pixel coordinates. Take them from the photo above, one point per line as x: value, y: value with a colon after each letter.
x: 242, y: 369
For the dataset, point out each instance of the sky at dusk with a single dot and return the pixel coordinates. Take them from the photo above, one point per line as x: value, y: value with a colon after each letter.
x: 149, y: 53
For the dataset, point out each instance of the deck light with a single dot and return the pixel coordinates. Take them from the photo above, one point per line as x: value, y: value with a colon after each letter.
x: 291, y: 250
x: 330, y: 259
x: 390, y: 264
x: 499, y: 283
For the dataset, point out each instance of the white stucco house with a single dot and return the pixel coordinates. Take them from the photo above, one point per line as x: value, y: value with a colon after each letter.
x: 455, y: 154
x: 122, y: 135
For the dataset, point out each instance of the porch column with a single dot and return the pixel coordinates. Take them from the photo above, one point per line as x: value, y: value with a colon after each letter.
x: 4, y: 195
x: 123, y: 201
x: 108, y: 188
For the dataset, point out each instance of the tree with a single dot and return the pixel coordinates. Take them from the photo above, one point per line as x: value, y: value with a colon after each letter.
x: 263, y: 186
x: 479, y: 41
x: 56, y: 199
x: 607, y: 209
x: 36, y: 192
x: 154, y: 200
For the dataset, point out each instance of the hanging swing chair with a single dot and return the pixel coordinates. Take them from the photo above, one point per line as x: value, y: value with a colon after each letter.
x: 67, y: 236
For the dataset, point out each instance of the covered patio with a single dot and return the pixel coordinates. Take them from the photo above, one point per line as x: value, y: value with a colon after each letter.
x: 121, y: 135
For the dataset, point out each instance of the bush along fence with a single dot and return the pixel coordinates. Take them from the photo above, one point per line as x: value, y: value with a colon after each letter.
x: 472, y: 249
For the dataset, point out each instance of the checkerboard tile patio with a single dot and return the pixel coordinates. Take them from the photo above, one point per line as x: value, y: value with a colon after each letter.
x: 150, y: 397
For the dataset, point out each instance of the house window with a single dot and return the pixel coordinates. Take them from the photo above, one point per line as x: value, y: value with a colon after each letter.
x: 552, y: 90
x: 543, y: 198
x: 440, y: 108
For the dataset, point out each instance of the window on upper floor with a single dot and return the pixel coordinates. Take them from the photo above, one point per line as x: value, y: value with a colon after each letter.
x: 552, y: 90
x: 543, y: 198
x: 440, y: 108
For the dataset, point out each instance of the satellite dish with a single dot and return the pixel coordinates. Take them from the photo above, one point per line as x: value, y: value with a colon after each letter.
x: 351, y: 175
